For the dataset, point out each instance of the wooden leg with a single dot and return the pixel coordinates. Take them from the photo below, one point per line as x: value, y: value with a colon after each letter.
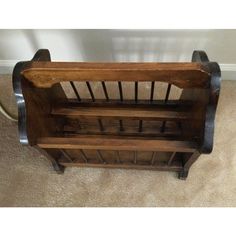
x: 187, y: 164
x: 183, y: 174
x: 52, y: 156
x: 56, y: 166
x: 194, y: 156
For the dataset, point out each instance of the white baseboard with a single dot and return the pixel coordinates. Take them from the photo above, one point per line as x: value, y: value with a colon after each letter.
x: 228, y: 70
x: 6, y: 66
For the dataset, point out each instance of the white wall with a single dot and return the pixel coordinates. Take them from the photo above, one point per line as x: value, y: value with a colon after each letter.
x: 119, y: 45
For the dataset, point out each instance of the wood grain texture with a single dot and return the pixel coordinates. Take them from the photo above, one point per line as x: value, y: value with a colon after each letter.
x: 183, y: 75
x: 144, y: 113
x: 34, y: 104
x: 101, y: 142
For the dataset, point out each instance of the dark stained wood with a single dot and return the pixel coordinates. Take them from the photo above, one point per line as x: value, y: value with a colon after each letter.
x: 100, y: 157
x: 153, y: 113
x: 152, y: 91
x: 35, y: 104
x: 105, y: 90
x: 66, y: 155
x: 85, y: 158
x: 165, y: 101
x: 148, y: 134
x: 118, y: 156
x: 154, y: 156
x: 171, y: 158
x: 90, y: 91
x: 206, y: 100
x: 140, y: 128
x: 136, y: 91
x: 189, y: 159
x: 101, y: 125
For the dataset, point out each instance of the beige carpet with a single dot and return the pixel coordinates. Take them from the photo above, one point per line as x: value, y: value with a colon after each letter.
x: 27, y: 179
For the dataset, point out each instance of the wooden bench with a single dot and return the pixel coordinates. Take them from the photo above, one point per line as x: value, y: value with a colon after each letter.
x: 143, y: 133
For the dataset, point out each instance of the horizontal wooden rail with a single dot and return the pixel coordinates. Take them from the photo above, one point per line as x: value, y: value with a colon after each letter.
x: 183, y: 75
x: 102, y: 142
x: 131, y: 112
x: 174, y: 167
x: 141, y: 103
x: 173, y: 132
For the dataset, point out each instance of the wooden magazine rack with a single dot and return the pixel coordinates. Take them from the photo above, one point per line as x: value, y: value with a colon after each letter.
x: 156, y: 134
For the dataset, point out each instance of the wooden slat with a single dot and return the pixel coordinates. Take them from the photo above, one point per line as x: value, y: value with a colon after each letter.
x: 102, y: 142
x: 183, y: 75
x: 174, y: 167
x: 171, y: 134
x: 141, y: 102
x: 153, y: 113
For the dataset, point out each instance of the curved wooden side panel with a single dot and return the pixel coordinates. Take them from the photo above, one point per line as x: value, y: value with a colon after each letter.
x: 214, y: 92
x: 20, y: 100
x: 42, y: 55
x: 199, y: 56
x: 34, y: 104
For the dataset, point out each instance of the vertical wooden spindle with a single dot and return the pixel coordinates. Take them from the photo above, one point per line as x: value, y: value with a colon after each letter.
x: 93, y: 99
x: 121, y: 125
x: 90, y: 91
x: 84, y: 156
x: 171, y: 158
x: 140, y: 129
x: 120, y: 91
x: 118, y: 156
x: 100, y: 157
x: 75, y: 90
x: 153, y: 160
x: 179, y: 124
x: 152, y: 91
x: 167, y: 93
x: 135, y: 157
x: 136, y: 91
x: 165, y: 101
x: 77, y: 95
x: 100, y: 125
x: 79, y: 125
x: 105, y: 90
x: 136, y: 100
x: 66, y: 155
x: 121, y: 99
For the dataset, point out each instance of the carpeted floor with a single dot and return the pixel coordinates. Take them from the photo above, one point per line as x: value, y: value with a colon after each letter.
x: 27, y: 179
